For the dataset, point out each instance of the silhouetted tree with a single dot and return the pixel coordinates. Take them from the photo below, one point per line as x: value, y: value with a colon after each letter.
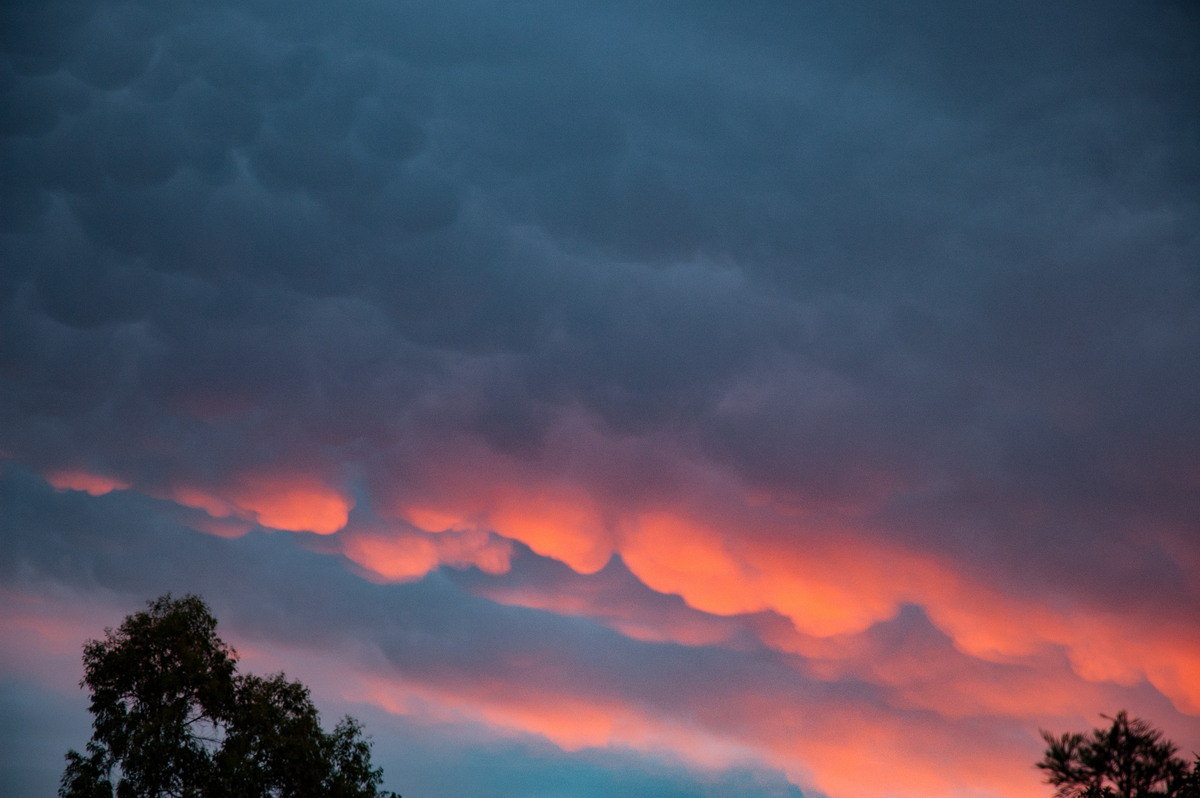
x: 1129, y: 759
x: 172, y: 717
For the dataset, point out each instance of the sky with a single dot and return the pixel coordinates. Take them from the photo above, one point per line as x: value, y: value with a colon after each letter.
x: 681, y: 399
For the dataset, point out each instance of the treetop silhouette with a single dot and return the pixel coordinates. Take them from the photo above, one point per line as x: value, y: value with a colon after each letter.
x: 1129, y: 759
x: 171, y: 717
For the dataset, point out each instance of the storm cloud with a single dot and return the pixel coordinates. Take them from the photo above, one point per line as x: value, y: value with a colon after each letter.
x: 687, y: 397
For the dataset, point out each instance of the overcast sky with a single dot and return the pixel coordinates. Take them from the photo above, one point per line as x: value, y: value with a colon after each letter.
x: 685, y: 399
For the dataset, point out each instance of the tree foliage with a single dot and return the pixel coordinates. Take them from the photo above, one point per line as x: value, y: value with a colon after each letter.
x: 1129, y: 759
x: 172, y: 717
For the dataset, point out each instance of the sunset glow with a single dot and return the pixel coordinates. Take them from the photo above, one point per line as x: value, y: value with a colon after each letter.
x: 759, y: 400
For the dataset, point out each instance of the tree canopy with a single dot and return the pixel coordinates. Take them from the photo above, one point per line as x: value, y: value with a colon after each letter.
x: 1129, y: 759
x: 171, y: 716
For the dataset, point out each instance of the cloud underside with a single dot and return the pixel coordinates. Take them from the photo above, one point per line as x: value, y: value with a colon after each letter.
x: 803, y: 392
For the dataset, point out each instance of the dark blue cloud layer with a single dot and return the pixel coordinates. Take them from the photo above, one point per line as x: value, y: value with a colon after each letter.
x: 983, y: 238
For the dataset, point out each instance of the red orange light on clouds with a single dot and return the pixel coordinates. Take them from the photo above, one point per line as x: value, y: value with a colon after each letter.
x: 290, y: 502
x: 831, y: 583
x: 406, y: 557
x: 842, y: 585
x: 81, y: 480
x: 838, y: 749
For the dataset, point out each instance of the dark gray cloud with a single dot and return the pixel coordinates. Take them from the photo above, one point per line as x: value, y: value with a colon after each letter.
x: 981, y: 239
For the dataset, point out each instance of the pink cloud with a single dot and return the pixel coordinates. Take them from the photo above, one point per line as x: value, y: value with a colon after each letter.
x: 396, y: 556
x: 88, y: 482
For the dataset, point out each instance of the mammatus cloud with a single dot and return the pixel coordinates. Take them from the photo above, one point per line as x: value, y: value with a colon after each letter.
x: 778, y: 391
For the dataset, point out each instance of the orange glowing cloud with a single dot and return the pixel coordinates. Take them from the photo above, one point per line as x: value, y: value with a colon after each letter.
x: 287, y: 502
x: 554, y: 522
x: 987, y: 624
x: 726, y: 553
x: 405, y: 557
x: 825, y: 587
x: 202, y: 500
x: 402, y: 558
x: 1100, y: 646
x: 827, y: 569
x: 955, y: 689
x: 838, y: 585
x: 844, y: 748
x: 1125, y: 651
x: 924, y: 670
x: 841, y: 583
x: 430, y: 519
x: 858, y: 754
x: 295, y: 504
x: 552, y: 505
x: 563, y: 524
x: 672, y: 555
x: 635, y: 620
x: 90, y: 483
x: 571, y: 722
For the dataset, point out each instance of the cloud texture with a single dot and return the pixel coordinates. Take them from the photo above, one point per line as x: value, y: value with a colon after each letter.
x: 693, y: 399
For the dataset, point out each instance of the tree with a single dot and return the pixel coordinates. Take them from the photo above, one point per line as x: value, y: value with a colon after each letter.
x: 1130, y: 759
x: 171, y: 717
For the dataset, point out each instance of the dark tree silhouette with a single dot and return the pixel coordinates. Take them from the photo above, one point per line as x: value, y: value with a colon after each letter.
x: 172, y: 717
x: 1129, y: 759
